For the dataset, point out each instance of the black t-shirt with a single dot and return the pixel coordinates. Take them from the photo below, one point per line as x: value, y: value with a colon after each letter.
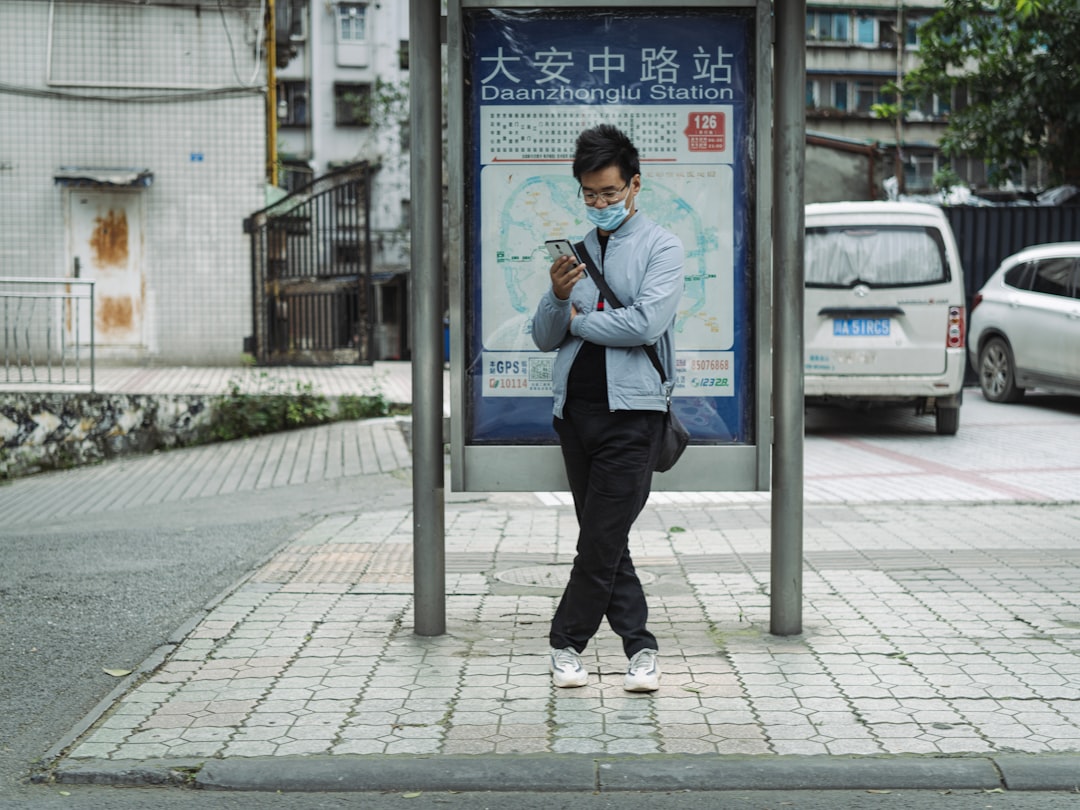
x: 588, y: 375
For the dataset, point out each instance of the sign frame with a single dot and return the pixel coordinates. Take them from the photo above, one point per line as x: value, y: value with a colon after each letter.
x: 492, y: 467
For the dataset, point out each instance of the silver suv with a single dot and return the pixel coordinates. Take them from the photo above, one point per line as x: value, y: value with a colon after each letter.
x: 1025, y: 324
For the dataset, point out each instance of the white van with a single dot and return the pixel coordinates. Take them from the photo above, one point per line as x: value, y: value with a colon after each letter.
x: 884, y: 308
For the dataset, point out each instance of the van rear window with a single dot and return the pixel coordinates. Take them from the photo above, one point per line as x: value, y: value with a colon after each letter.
x: 875, y: 256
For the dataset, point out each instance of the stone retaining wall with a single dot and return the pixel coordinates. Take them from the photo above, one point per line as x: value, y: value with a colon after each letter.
x: 54, y: 431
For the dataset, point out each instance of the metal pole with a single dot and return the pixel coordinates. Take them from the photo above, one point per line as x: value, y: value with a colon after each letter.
x: 92, y: 316
x: 425, y: 99
x: 371, y: 311
x: 901, y: 36
x: 789, y: 147
x: 271, y: 94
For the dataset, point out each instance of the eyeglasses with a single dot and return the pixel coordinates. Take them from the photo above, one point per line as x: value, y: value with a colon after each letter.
x: 609, y: 197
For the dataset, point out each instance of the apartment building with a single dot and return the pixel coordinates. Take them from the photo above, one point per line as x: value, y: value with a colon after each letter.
x: 853, y: 51
x: 342, y: 98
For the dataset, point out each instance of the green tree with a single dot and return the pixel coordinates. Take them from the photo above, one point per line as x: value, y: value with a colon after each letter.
x: 1020, y: 63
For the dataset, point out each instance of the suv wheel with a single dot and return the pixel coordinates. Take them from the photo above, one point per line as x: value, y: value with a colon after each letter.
x: 997, y: 374
x: 947, y: 421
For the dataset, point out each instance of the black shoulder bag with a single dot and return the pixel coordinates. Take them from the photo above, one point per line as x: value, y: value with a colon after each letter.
x: 675, y: 436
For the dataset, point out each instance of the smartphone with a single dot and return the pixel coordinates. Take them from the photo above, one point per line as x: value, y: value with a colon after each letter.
x: 561, y: 247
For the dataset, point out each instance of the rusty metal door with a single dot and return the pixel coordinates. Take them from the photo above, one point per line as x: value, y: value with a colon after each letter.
x: 105, y: 244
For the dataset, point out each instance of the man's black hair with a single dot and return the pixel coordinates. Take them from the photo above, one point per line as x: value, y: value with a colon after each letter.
x: 602, y: 146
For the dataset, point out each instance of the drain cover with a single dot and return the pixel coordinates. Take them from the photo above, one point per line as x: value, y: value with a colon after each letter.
x: 550, y: 576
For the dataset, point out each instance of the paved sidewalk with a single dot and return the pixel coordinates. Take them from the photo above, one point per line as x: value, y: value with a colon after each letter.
x: 941, y: 643
x: 392, y: 379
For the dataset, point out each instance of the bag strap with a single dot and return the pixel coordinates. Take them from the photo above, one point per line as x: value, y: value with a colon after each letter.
x: 611, y: 298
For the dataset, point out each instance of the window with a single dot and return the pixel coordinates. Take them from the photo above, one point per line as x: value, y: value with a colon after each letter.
x: 296, y: 19
x: 294, y: 175
x: 887, y: 33
x: 919, y: 172
x: 827, y: 94
x: 840, y: 95
x: 1019, y: 276
x: 879, y: 256
x: 840, y: 24
x: 911, y: 38
x: 827, y: 27
x: 352, y: 22
x: 867, y: 94
x: 866, y: 31
x: 922, y: 107
x: 1052, y: 276
x: 929, y: 106
x: 292, y: 104
x: 352, y: 105
x: 944, y: 105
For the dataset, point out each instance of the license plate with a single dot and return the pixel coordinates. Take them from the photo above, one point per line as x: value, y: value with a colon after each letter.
x: 861, y: 327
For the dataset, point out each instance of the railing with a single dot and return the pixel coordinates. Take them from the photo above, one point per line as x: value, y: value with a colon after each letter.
x: 48, y: 328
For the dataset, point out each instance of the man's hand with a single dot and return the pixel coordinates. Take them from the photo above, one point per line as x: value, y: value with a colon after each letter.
x: 565, y: 273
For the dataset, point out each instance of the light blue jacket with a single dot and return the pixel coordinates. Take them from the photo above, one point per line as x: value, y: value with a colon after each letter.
x: 644, y: 268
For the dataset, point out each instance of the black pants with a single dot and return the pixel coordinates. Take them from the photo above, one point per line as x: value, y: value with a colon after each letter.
x: 609, y: 458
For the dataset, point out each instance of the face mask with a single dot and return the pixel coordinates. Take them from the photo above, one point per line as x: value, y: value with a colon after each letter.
x: 610, y: 217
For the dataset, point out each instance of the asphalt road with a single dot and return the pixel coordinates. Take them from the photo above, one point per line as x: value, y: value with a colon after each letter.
x: 95, y: 592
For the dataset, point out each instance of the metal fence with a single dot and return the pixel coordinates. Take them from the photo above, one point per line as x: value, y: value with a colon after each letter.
x: 985, y: 236
x: 48, y: 331
x: 311, y: 273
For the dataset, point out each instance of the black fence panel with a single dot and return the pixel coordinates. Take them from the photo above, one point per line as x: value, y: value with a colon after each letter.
x: 987, y: 235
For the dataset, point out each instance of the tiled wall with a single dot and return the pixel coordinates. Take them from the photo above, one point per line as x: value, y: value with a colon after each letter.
x: 173, y: 88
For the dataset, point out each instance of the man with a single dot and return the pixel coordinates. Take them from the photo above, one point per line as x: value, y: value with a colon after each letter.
x: 609, y: 400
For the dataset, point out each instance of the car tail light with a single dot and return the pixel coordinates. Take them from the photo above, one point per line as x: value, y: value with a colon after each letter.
x: 954, y: 339
x: 976, y: 301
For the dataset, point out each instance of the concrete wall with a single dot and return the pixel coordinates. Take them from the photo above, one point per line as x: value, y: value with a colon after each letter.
x: 834, y: 175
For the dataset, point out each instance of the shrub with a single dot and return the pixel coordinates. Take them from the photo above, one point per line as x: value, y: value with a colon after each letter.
x: 273, y: 407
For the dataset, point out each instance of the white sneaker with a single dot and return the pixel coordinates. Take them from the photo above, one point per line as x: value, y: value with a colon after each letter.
x: 643, y: 673
x: 567, y: 669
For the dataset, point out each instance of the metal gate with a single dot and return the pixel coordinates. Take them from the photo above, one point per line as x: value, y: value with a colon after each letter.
x: 312, y: 297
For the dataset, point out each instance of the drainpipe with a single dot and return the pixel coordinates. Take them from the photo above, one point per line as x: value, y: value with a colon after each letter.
x: 271, y: 93
x: 901, y: 34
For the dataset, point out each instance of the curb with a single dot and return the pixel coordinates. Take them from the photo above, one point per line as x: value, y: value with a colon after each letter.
x: 568, y: 773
